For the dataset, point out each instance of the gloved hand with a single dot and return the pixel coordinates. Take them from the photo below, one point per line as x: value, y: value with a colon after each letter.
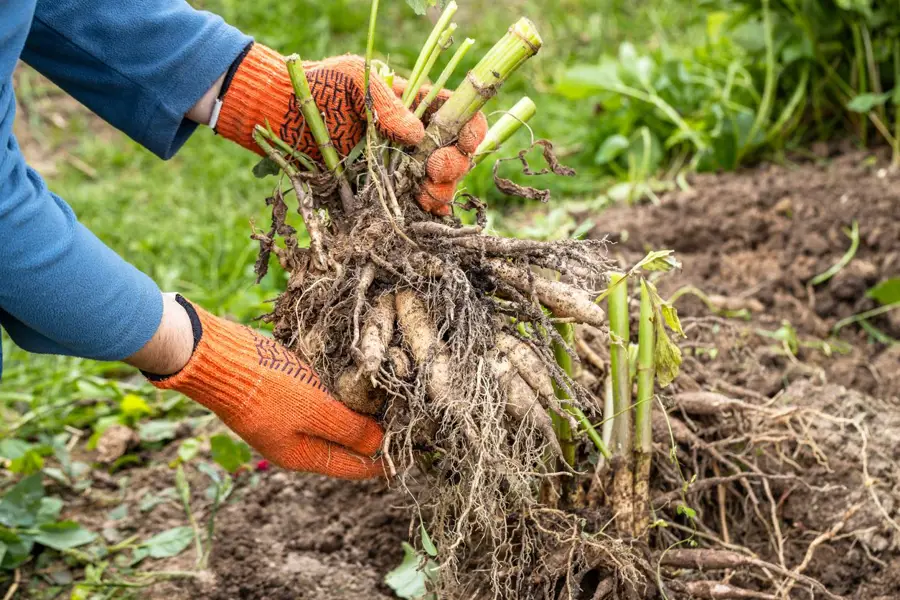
x: 260, y: 89
x: 273, y: 401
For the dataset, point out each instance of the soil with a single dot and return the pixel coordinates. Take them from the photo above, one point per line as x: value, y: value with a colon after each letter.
x: 755, y: 237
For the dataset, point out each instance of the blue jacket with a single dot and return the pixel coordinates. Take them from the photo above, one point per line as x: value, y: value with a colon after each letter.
x: 140, y: 65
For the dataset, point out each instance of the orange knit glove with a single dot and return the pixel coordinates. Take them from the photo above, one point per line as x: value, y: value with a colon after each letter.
x: 260, y: 89
x: 273, y: 401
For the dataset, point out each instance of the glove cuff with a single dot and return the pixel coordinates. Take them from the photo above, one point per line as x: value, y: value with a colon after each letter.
x: 223, y: 374
x: 259, y: 91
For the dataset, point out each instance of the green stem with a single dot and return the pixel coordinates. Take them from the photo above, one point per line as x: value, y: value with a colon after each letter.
x: 520, y: 43
x: 589, y: 429
x: 429, y: 47
x: 861, y: 75
x: 445, y: 75
x: 768, y: 97
x: 282, y: 145
x: 505, y: 127
x: 370, y: 50
x: 609, y: 411
x: 445, y: 41
x: 646, y: 371
x: 643, y: 430
x: 564, y: 360
x: 620, y: 336
x: 864, y: 315
x: 316, y: 125
x: 262, y: 140
x: 896, y: 144
x: 845, y: 259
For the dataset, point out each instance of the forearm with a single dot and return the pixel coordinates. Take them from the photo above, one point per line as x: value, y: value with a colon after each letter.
x: 61, y: 282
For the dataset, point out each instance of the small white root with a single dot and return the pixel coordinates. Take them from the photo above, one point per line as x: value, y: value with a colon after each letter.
x: 377, y: 334
x: 564, y: 300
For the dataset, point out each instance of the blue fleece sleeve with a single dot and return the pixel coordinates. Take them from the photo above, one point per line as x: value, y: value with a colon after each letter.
x: 140, y: 65
x: 62, y: 291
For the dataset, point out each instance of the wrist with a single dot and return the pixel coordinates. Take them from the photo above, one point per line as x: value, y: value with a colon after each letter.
x: 171, y: 347
x: 255, y: 91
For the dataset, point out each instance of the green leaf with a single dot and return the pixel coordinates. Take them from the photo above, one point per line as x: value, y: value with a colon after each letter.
x: 864, y: 103
x: 64, y: 535
x: 409, y: 579
x: 687, y: 511
x: 188, y: 449
x: 137, y: 555
x: 169, y: 543
x: 427, y: 544
x: 670, y: 316
x: 182, y: 486
x: 28, y: 463
x: 157, y: 430
x: 265, y: 167
x: 228, y: 453
x: 658, y: 260
x: 133, y: 408
x: 49, y: 510
x: 14, y: 448
x: 668, y: 356
x: 886, y: 292
x: 582, y: 81
x: 118, y: 513
x: 20, y: 506
x: 421, y: 6
x: 17, y: 548
x: 210, y: 471
x: 611, y: 148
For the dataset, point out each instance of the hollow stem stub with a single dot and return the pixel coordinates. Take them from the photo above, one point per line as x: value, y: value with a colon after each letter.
x: 520, y: 43
x: 505, y: 127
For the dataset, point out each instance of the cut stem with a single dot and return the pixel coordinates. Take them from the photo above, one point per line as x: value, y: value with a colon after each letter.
x: 519, y: 44
x: 622, y: 462
x: 444, y: 76
x: 643, y: 431
x: 505, y: 127
x: 429, y: 47
x: 319, y: 131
